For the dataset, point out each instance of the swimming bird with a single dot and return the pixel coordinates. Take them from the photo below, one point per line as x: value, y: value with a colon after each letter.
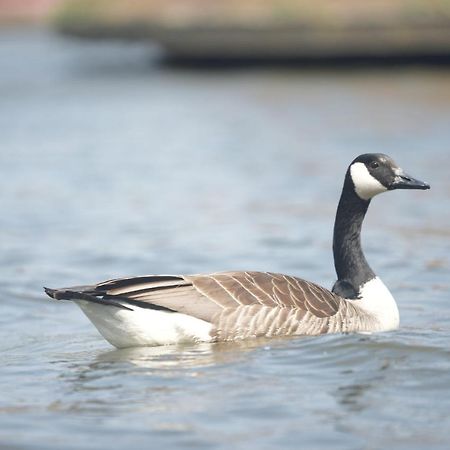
x: 155, y: 310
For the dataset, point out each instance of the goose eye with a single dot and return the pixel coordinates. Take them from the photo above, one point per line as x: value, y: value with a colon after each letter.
x: 374, y: 165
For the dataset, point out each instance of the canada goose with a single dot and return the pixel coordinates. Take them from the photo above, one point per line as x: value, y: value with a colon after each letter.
x: 166, y: 309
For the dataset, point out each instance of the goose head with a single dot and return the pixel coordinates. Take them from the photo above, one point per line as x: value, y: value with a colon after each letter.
x: 374, y: 173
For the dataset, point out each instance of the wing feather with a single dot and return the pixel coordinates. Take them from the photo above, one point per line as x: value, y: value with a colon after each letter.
x: 211, y: 293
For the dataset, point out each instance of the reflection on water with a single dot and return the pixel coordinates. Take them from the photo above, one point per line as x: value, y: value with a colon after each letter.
x: 114, y: 165
x: 182, y: 356
x: 164, y: 361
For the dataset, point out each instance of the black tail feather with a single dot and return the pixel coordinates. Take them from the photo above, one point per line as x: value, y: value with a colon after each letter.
x: 68, y: 294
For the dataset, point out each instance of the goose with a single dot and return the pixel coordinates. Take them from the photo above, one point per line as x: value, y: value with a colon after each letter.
x: 156, y: 310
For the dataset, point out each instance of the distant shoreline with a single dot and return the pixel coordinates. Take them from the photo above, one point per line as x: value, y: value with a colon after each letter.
x: 261, y: 30
x: 278, y: 43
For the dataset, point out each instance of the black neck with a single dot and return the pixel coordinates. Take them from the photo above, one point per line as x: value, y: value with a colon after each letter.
x: 351, y: 266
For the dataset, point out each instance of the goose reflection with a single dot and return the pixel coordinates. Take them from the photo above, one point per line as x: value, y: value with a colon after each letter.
x: 164, y: 358
x: 169, y: 361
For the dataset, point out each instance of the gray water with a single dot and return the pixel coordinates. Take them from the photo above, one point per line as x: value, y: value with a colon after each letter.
x: 112, y: 164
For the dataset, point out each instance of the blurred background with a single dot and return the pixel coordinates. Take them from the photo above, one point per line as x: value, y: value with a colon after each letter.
x: 188, y: 136
x: 252, y: 29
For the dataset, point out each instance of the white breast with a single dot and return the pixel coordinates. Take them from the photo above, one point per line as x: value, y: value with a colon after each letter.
x: 377, y: 301
x: 145, y: 327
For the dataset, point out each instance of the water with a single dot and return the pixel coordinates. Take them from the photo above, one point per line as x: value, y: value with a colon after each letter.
x: 112, y: 164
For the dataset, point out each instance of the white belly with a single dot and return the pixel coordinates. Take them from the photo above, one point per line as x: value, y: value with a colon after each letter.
x: 144, y: 327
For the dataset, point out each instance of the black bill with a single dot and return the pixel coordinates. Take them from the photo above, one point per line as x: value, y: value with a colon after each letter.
x: 405, y: 181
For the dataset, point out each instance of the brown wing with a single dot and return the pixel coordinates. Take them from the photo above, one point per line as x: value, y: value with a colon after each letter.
x: 234, y: 289
x: 204, y: 296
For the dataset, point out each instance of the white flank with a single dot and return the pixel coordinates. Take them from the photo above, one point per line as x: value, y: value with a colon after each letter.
x: 366, y: 186
x: 144, y: 327
x: 377, y: 301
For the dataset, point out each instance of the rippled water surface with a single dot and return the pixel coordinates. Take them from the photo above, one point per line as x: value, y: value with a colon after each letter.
x: 113, y: 164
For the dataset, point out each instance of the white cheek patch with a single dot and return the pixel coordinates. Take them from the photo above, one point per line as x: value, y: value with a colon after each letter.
x: 366, y: 186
